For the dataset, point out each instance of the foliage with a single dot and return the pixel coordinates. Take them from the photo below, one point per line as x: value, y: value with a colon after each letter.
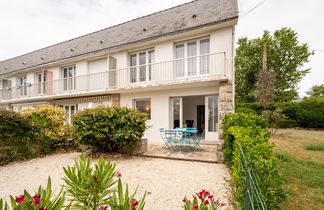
x: 286, y: 57
x: 121, y: 201
x: 274, y: 118
x: 245, y: 110
x: 317, y: 91
x: 249, y: 132
x: 87, y: 186
x: 253, y: 106
x: 17, y: 137
x: 309, y: 113
x: 202, y: 201
x: 238, y: 119
x: 42, y: 200
x: 109, y: 128
x: 51, y: 121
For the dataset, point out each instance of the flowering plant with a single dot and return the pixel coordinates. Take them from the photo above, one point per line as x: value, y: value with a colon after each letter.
x: 42, y: 200
x: 202, y: 201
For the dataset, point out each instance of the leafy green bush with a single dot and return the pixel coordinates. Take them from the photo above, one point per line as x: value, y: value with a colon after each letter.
x: 17, y: 137
x: 274, y: 118
x: 238, y: 119
x: 109, y: 128
x: 258, y: 156
x: 51, y: 121
x: 245, y: 110
x: 254, y: 106
x: 310, y: 113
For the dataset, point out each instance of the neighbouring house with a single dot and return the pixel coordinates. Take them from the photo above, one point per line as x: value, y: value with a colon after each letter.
x: 176, y: 65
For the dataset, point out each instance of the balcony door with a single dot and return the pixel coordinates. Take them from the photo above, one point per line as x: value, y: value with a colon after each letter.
x: 22, y: 82
x: 192, y: 58
x: 141, y: 66
x: 69, y: 80
x: 211, y: 120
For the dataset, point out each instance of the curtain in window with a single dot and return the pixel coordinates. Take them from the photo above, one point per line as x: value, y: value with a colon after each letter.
x: 133, y: 69
x: 180, y: 60
x: 192, y: 60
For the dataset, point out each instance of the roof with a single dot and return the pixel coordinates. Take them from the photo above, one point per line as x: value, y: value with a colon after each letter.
x: 177, y: 19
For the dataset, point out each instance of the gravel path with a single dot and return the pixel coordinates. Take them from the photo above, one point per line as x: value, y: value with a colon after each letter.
x: 166, y: 181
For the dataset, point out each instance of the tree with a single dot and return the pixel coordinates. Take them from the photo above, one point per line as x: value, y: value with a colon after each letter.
x: 286, y: 57
x: 317, y: 91
x: 264, y: 88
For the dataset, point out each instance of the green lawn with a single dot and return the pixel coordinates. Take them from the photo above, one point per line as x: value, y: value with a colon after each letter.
x: 301, y: 157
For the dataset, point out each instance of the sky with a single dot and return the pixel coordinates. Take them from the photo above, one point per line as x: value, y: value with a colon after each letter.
x: 27, y: 25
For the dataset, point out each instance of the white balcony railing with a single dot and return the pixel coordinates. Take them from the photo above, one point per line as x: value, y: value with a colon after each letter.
x: 182, y: 70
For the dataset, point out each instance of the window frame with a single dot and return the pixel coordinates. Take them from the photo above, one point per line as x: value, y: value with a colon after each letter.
x: 143, y: 100
x: 69, y: 82
x: 136, y: 71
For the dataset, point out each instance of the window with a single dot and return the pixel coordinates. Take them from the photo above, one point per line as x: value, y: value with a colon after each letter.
x: 212, y: 113
x: 144, y: 106
x: 192, y: 58
x: 40, y: 80
x: 70, y: 110
x: 22, y: 82
x: 69, y: 79
x: 141, y: 66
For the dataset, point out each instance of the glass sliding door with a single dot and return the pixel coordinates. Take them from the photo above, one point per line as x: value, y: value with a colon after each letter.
x: 133, y: 68
x: 176, y: 113
x: 204, y: 59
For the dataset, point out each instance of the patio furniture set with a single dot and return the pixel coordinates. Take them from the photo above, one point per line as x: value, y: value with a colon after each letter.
x: 180, y: 137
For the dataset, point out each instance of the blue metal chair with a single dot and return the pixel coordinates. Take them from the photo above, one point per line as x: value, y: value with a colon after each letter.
x: 197, y: 140
x: 165, y: 140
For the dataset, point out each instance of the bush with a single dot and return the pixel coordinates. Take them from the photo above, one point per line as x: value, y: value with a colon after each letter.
x: 109, y: 128
x: 17, y: 137
x: 258, y: 156
x: 50, y: 120
x: 310, y: 113
x: 245, y: 110
x: 254, y: 106
x: 238, y: 119
x: 274, y: 118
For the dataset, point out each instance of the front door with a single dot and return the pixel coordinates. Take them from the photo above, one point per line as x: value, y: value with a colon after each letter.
x: 211, y: 120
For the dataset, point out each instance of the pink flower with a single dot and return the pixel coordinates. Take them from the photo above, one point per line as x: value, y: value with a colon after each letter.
x: 186, y: 201
x: 20, y: 199
x: 95, y: 179
x: 206, y: 202
x: 117, y: 174
x: 211, y: 197
x: 104, y: 208
x: 195, y: 207
x: 36, y: 199
x: 42, y: 208
x: 134, y: 202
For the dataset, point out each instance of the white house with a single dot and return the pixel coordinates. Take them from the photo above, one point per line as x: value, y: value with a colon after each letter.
x: 176, y: 65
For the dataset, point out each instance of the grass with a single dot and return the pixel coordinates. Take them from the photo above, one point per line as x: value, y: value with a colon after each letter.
x: 301, y: 160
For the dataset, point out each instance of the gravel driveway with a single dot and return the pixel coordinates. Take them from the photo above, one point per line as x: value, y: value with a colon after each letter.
x: 166, y: 181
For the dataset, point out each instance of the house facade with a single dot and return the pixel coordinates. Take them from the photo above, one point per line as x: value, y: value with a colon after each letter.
x: 176, y: 65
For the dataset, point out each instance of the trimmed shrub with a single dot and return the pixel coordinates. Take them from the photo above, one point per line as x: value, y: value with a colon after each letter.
x: 246, y: 110
x: 109, y: 128
x: 310, y: 113
x: 249, y: 132
x: 17, y: 136
x: 254, y: 106
x: 259, y: 157
x: 238, y: 119
x: 50, y: 119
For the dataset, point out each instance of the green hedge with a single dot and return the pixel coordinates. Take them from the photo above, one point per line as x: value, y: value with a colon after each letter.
x: 109, y: 128
x: 250, y: 132
x: 308, y: 113
x: 18, y: 137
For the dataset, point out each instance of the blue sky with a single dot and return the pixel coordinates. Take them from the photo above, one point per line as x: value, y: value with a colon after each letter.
x: 33, y: 24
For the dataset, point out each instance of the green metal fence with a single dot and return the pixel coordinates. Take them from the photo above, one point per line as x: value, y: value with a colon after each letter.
x: 253, y: 197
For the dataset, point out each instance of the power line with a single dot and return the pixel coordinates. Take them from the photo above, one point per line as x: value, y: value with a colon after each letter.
x: 253, y: 8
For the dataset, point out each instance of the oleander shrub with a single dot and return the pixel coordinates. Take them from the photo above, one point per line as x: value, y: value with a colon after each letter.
x: 109, y: 128
x: 51, y: 121
x: 238, y: 119
x: 258, y: 156
x: 18, y: 137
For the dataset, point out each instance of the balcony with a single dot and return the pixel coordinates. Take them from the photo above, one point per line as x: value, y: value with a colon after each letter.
x: 198, y: 68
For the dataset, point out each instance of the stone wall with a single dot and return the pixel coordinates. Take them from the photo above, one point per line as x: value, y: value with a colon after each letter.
x: 225, y: 104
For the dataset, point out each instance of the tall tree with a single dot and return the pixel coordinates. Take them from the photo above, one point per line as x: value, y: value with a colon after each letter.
x: 317, y: 91
x: 286, y: 57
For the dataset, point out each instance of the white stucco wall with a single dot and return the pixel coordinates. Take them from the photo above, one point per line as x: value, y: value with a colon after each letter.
x: 160, y: 105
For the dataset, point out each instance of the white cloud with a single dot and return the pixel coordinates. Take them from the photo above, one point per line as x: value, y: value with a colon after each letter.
x: 33, y: 24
